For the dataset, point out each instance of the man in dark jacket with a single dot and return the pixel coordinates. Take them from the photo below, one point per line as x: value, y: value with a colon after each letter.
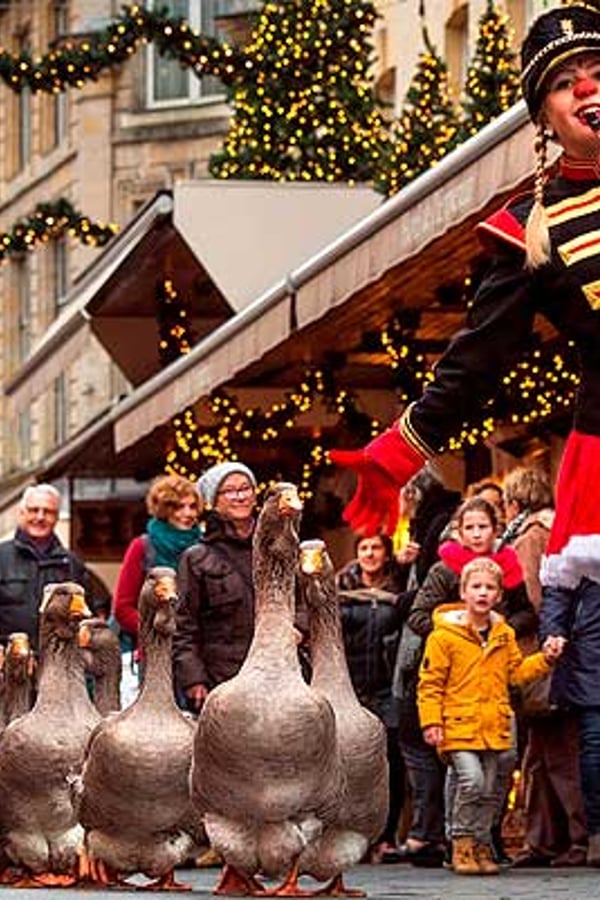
x: 33, y: 558
x: 215, y: 615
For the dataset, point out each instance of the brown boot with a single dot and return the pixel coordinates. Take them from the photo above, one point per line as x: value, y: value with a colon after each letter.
x: 483, y: 855
x: 463, y: 856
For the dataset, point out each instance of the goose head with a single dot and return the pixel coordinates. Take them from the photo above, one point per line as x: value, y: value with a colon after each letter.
x: 276, y: 533
x: 317, y: 575
x: 62, y: 608
x: 99, y: 646
x: 19, y: 662
x: 157, y: 602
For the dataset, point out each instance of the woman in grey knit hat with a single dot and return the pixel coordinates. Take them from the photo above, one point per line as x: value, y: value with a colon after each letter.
x: 215, y: 617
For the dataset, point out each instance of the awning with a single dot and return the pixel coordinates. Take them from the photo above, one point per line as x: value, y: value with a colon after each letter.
x: 248, y: 234
x: 493, y: 162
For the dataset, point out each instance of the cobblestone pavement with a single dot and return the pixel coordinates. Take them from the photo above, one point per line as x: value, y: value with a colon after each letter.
x: 400, y: 881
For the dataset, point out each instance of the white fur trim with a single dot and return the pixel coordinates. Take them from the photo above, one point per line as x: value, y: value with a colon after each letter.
x: 579, y: 558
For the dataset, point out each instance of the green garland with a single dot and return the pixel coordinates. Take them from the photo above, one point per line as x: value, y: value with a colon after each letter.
x: 52, y: 220
x: 73, y: 63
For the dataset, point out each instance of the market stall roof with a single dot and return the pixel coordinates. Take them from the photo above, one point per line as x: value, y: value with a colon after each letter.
x: 396, y: 257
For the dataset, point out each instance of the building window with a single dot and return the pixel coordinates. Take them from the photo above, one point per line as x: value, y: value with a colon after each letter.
x: 60, y: 275
x: 168, y: 84
x: 61, y: 414
x: 23, y: 298
x: 60, y: 27
x: 457, y: 49
x: 24, y: 128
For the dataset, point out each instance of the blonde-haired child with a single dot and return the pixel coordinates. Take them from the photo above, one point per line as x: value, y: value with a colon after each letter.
x: 471, y: 658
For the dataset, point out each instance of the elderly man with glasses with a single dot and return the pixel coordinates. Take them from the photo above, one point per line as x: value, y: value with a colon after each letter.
x: 215, y: 618
x: 33, y: 558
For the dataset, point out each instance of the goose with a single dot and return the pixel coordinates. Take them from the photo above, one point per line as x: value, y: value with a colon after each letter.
x: 18, y: 683
x: 135, y: 804
x: 42, y: 752
x: 265, y: 771
x: 362, y: 813
x: 101, y: 652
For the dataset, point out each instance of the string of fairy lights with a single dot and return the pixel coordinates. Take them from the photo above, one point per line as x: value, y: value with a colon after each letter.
x: 540, y: 385
x: 50, y: 221
x: 73, y: 62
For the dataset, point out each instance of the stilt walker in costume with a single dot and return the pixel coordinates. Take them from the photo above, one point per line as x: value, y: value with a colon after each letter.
x: 545, y: 258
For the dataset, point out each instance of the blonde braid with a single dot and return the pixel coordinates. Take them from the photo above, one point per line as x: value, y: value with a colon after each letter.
x: 537, y: 237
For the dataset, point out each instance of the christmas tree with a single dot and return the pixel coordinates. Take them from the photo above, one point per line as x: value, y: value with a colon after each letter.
x: 428, y: 125
x: 306, y: 110
x: 492, y: 84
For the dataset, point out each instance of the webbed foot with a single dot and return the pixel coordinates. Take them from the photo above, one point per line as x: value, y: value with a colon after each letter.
x: 238, y: 884
x: 167, y: 883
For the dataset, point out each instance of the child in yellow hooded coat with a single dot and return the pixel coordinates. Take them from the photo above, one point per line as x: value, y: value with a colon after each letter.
x: 471, y: 658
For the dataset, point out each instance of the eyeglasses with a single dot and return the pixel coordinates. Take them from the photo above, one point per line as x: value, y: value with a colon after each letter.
x: 41, y: 511
x: 233, y: 493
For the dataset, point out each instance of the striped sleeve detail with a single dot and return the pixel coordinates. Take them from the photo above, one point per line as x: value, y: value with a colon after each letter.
x: 411, y: 436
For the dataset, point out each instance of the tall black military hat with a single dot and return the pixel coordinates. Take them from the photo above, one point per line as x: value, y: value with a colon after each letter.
x: 554, y: 37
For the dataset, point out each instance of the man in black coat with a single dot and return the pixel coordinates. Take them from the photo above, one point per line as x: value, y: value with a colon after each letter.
x: 33, y: 558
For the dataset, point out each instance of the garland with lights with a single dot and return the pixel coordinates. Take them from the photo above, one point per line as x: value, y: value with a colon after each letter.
x: 72, y: 63
x: 307, y: 111
x: 492, y: 83
x: 50, y: 221
x: 196, y: 446
x: 237, y: 427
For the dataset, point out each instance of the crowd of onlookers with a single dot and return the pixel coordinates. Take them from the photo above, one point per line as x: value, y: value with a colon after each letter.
x: 400, y: 602
x: 386, y: 639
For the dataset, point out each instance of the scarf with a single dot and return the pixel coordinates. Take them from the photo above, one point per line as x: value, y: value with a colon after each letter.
x: 170, y: 542
x: 456, y: 556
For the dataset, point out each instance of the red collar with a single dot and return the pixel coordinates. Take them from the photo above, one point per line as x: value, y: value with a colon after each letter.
x: 579, y: 169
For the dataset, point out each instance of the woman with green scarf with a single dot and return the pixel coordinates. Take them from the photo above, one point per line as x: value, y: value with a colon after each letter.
x: 174, y: 505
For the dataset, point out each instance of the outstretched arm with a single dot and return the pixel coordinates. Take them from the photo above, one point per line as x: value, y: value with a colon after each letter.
x: 467, y: 376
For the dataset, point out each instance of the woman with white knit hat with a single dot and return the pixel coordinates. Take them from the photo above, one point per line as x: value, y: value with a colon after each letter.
x: 215, y: 616
x: 544, y: 250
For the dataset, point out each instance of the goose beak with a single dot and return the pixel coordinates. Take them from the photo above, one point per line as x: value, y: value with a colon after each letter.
x: 289, y: 502
x: 165, y: 590
x: 78, y: 608
x: 84, y: 638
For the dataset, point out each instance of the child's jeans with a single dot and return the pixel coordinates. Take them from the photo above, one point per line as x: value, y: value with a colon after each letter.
x: 476, y: 795
x: 507, y: 761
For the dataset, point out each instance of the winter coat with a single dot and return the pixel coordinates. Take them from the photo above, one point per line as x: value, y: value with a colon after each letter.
x: 371, y: 623
x: 215, y: 610
x: 24, y: 572
x: 530, y: 545
x: 464, y: 680
x: 574, y: 614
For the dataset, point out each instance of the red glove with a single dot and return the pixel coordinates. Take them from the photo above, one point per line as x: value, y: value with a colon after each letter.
x: 383, y: 467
